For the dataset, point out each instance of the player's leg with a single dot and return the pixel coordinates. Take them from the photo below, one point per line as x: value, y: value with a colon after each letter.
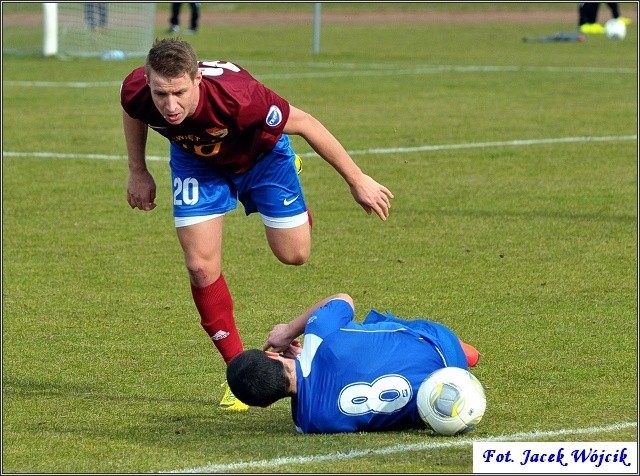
x: 455, y: 350
x: 202, y: 247
x: 615, y: 13
x: 174, y: 20
x: 589, y: 18
x: 89, y: 15
x: 273, y: 189
x: 290, y: 245
x: 289, y: 237
x: 471, y: 353
x: 582, y: 14
x: 102, y: 11
x: 201, y: 197
x: 615, y: 9
x: 195, y: 15
x: 591, y: 11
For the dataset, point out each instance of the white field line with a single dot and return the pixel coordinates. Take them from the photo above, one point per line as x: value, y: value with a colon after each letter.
x: 373, y: 70
x: 392, y: 150
x: 270, y: 464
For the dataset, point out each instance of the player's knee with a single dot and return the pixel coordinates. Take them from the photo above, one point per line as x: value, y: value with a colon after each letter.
x: 200, y: 274
x: 290, y: 245
x: 294, y: 257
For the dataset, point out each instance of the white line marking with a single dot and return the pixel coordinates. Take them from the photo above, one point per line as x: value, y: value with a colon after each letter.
x: 374, y: 70
x: 332, y: 457
x: 55, y: 155
x: 399, y: 70
x: 476, y: 145
x: 393, y: 150
x: 63, y: 84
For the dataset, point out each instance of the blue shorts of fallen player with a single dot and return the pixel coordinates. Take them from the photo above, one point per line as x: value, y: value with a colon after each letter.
x: 443, y: 338
x: 271, y: 188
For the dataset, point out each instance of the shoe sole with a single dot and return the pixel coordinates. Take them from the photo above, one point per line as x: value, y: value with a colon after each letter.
x: 233, y: 408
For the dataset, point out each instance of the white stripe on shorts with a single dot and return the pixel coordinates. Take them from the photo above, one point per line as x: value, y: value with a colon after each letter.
x: 186, y: 221
x: 286, y: 222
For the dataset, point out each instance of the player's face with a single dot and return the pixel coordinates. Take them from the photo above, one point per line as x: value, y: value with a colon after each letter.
x: 175, y: 98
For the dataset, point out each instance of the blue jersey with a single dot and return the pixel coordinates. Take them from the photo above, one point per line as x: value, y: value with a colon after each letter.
x: 365, y: 376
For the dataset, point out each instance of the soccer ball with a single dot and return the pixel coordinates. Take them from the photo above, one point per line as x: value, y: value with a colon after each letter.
x: 451, y: 401
x: 615, y: 29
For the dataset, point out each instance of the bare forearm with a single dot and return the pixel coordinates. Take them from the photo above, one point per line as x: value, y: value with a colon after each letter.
x: 324, y: 143
x: 331, y: 150
x: 282, y: 335
x: 135, y: 134
x: 372, y: 196
x: 141, y: 187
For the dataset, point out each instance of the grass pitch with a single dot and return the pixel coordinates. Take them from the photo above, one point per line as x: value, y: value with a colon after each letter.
x: 515, y: 223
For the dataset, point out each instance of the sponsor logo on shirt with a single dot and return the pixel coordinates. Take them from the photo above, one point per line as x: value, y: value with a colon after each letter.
x: 217, y: 132
x: 274, y: 117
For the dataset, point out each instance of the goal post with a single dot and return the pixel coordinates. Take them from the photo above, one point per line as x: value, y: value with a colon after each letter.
x: 317, y: 20
x: 93, y: 29
x: 50, y: 29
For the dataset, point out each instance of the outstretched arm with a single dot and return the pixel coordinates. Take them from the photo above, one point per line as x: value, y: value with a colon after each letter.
x: 283, y: 336
x: 371, y: 195
x: 141, y: 188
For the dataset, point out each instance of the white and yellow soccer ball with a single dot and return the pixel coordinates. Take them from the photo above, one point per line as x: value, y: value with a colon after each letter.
x: 615, y: 29
x: 451, y: 401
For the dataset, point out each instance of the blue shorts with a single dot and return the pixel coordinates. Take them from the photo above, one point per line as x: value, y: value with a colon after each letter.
x: 271, y: 187
x: 439, y: 335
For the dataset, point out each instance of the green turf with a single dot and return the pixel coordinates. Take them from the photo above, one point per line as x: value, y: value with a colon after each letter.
x: 529, y: 252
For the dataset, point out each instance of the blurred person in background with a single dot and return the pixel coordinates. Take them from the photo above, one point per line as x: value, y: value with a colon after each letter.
x: 95, y: 14
x: 174, y: 21
x: 588, y: 17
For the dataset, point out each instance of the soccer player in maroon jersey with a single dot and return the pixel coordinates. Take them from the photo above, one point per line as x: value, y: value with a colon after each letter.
x: 229, y: 141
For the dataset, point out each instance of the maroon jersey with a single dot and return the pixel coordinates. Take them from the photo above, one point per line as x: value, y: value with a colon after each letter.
x: 237, y: 119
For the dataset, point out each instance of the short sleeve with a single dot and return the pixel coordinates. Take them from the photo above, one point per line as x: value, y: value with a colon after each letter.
x: 330, y: 317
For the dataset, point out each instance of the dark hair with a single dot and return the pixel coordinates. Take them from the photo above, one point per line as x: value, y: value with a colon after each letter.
x: 256, y: 379
x: 172, y: 58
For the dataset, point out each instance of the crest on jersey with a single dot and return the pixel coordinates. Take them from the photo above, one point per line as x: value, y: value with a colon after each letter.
x: 217, y: 132
x: 274, y: 117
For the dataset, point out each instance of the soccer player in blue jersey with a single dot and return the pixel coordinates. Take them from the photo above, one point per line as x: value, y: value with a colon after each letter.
x: 348, y: 376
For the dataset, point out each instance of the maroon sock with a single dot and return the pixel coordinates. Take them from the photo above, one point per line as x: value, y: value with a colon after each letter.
x: 215, y: 306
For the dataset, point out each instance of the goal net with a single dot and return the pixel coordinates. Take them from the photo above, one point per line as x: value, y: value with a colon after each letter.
x: 22, y: 29
x: 82, y: 29
x: 94, y: 28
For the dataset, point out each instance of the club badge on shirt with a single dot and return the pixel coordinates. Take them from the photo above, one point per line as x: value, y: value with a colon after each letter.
x: 217, y: 132
x: 274, y: 116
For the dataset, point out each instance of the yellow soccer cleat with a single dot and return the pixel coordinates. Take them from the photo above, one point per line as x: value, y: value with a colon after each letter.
x: 592, y: 29
x: 627, y: 21
x: 298, y: 164
x: 229, y: 401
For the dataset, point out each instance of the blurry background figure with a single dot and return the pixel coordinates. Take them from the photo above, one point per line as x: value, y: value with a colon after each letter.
x: 175, y: 18
x: 588, y: 17
x: 95, y: 14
